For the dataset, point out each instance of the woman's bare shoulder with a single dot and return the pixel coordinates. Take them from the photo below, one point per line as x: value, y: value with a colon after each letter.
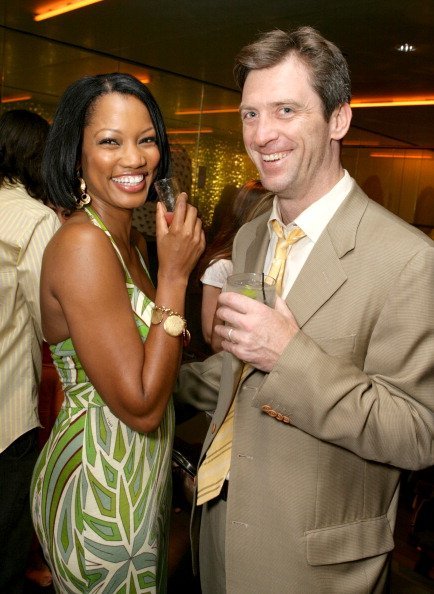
x: 76, y: 234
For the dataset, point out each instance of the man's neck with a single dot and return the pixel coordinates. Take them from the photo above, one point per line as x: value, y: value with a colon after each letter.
x: 291, y: 206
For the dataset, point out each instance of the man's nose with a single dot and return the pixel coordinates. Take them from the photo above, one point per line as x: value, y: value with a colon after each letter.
x: 265, y: 130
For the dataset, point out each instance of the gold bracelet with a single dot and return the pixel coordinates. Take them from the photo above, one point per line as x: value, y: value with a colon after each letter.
x: 174, y: 324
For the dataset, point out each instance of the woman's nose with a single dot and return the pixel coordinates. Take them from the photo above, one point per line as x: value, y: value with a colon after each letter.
x: 133, y: 155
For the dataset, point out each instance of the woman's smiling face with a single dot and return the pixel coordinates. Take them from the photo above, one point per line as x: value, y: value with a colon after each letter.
x: 120, y: 155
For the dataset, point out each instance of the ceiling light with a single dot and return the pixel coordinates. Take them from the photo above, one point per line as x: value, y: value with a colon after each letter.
x: 398, y: 102
x: 54, y: 9
x: 208, y: 111
x: 406, y: 48
x: 15, y: 99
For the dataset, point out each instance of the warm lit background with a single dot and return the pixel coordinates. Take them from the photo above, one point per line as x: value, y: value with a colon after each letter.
x: 184, y: 50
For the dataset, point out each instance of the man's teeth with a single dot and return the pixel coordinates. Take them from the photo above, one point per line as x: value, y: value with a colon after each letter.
x: 273, y: 157
x: 128, y: 179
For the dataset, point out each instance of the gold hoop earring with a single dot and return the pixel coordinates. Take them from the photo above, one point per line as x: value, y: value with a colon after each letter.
x: 85, y: 198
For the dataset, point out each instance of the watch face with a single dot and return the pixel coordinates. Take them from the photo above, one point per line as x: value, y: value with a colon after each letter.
x: 174, y: 325
x: 157, y: 316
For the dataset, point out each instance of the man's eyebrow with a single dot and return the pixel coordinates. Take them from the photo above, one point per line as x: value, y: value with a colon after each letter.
x: 279, y: 103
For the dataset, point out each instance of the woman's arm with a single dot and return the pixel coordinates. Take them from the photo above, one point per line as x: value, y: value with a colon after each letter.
x: 84, y: 288
x: 213, y: 280
x: 209, y: 305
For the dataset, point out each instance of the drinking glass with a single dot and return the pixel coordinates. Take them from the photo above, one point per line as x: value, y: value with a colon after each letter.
x: 255, y: 285
x: 167, y: 191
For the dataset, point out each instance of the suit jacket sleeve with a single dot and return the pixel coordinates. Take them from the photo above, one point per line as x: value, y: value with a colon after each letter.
x: 382, y: 410
x: 198, y: 385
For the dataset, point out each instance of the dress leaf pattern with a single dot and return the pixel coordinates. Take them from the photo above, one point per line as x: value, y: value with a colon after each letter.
x: 101, y: 491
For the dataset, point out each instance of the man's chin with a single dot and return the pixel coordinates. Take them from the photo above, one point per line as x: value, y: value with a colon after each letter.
x: 273, y: 185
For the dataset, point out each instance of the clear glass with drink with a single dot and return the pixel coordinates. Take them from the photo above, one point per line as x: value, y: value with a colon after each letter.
x: 255, y: 285
x: 167, y: 191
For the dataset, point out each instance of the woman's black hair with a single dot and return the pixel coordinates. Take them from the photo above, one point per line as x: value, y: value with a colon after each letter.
x: 63, y: 148
x: 22, y: 139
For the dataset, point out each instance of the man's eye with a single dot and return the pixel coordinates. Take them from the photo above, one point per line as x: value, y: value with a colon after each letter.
x: 248, y: 115
x: 286, y: 110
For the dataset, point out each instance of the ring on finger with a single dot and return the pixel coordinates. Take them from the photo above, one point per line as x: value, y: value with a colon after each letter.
x: 230, y: 335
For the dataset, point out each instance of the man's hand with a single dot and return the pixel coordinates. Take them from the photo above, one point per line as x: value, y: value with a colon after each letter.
x: 254, y: 332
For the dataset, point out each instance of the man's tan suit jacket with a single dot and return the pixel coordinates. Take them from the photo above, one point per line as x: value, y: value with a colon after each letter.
x: 312, y: 502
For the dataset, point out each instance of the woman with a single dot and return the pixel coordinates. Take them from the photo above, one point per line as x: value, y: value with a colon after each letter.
x: 101, y: 487
x: 251, y: 200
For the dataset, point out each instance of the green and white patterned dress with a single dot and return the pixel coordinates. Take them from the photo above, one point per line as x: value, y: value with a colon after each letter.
x: 101, y: 491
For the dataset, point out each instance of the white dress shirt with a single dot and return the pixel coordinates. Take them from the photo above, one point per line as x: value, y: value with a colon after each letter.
x: 26, y: 226
x: 312, y: 221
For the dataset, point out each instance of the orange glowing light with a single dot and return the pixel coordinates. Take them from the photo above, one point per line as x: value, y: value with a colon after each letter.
x: 384, y: 155
x: 392, y: 102
x: 207, y: 111
x: 189, y: 131
x: 361, y: 143
x: 15, y: 99
x: 54, y: 9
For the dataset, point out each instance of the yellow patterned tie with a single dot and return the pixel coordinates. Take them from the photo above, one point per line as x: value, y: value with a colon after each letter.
x: 277, y: 268
x: 215, y: 467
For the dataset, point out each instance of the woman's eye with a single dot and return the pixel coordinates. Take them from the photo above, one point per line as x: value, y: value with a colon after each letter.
x: 108, y: 141
x: 149, y: 140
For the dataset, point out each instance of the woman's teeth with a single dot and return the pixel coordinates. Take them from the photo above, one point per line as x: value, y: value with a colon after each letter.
x: 129, y: 180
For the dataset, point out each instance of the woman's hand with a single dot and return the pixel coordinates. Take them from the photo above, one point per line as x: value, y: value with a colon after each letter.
x: 181, y: 244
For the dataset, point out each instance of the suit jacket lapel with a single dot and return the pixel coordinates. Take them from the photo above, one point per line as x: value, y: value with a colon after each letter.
x: 320, y: 277
x: 323, y: 273
x: 257, y: 251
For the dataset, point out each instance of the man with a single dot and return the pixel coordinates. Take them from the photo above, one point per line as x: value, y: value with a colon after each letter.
x: 338, y: 393
x: 26, y: 226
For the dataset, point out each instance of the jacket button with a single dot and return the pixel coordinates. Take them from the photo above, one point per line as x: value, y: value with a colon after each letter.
x: 213, y: 428
x: 279, y: 417
x: 272, y: 413
x: 286, y: 420
x: 266, y: 408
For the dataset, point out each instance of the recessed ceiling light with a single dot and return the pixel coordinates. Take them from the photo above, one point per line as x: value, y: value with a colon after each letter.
x: 406, y: 48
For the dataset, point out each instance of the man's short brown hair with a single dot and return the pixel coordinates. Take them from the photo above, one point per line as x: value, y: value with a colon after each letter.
x: 329, y: 73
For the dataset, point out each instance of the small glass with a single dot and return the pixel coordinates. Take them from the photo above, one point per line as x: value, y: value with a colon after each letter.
x: 167, y: 191
x: 255, y: 285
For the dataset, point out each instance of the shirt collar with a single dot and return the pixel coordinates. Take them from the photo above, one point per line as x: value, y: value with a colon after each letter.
x: 315, y: 218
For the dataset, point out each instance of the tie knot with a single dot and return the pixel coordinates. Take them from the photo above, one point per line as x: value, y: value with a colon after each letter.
x: 292, y: 237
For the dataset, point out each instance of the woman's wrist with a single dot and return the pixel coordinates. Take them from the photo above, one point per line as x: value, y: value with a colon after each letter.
x: 172, y: 280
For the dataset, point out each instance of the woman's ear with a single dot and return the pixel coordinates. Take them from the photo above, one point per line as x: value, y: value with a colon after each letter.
x: 340, y: 121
